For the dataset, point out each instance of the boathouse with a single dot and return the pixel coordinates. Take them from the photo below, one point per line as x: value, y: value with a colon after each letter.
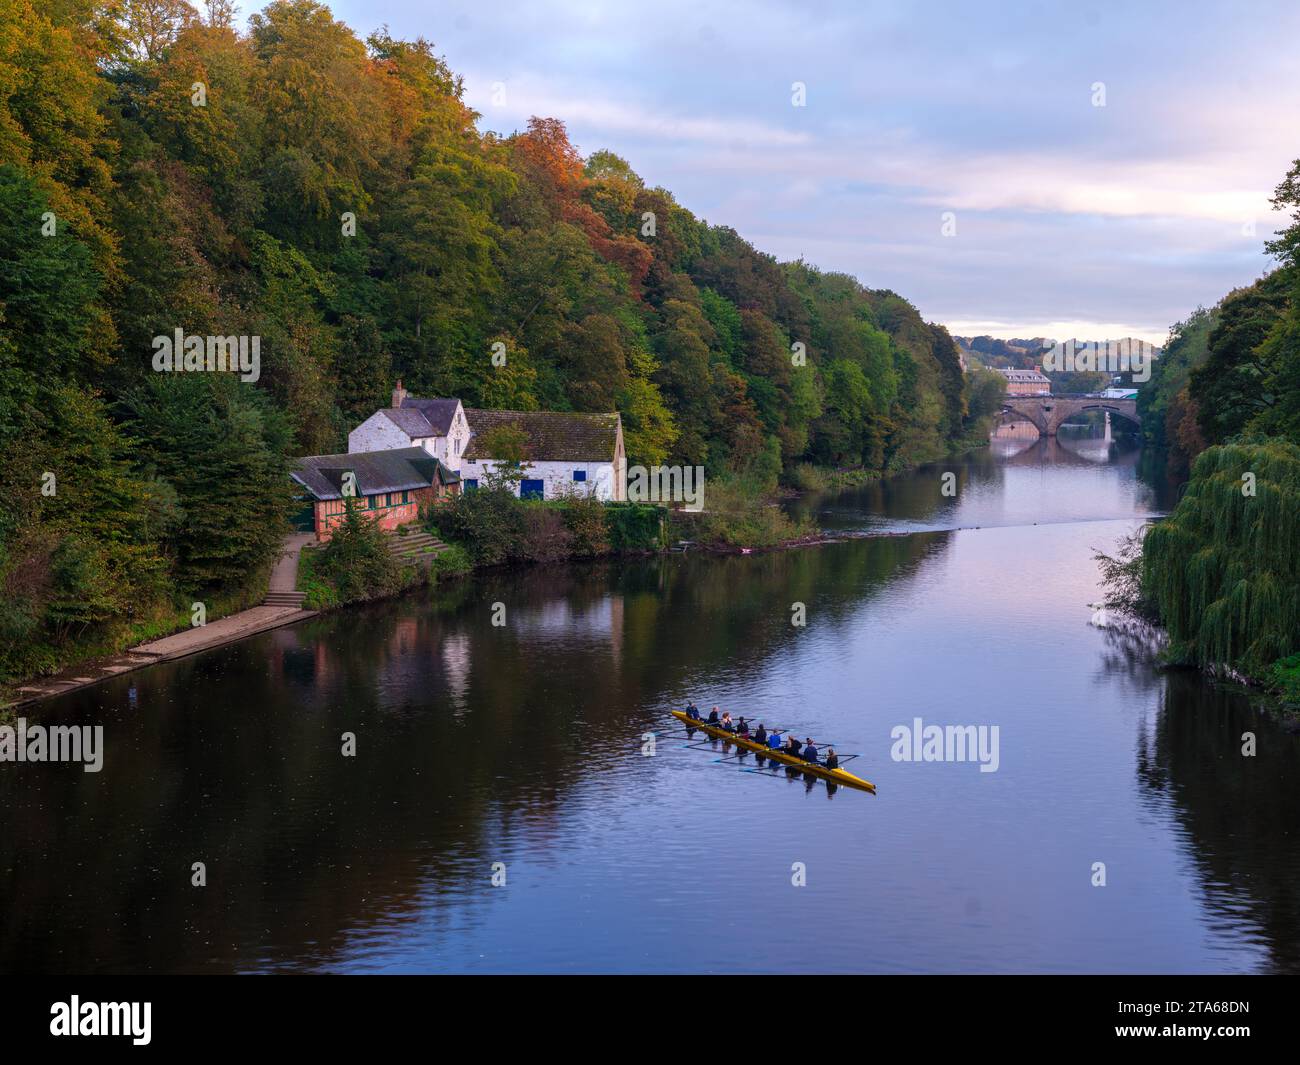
x: 389, y: 487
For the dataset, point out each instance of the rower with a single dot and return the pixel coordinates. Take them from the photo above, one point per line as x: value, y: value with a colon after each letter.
x: 832, y: 759
x: 692, y: 711
x: 727, y: 723
x: 742, y: 729
x: 761, y: 735
x: 809, y: 750
x: 774, y: 741
x: 792, y: 747
x: 713, y: 716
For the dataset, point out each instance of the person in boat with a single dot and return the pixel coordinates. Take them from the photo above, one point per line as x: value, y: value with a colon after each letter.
x: 713, y: 716
x: 742, y: 727
x: 832, y: 759
x: 774, y: 741
x: 692, y: 711
x: 727, y: 723
x: 809, y: 750
x: 792, y: 747
x: 760, y: 736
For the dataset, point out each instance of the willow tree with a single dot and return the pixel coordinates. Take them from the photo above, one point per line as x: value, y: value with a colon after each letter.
x: 1224, y: 567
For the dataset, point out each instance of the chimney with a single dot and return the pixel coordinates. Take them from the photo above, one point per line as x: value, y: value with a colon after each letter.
x: 399, y: 394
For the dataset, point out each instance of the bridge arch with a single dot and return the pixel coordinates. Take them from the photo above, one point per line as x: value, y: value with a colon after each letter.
x: 1049, y: 413
x: 1130, y: 415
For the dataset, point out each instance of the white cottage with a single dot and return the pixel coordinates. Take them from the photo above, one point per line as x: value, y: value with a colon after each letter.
x: 437, y: 425
x: 563, y: 453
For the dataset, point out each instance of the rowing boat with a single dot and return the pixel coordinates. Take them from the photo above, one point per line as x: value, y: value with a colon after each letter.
x: 833, y: 776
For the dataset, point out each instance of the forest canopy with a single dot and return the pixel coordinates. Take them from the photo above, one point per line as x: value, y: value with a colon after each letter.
x: 336, y: 198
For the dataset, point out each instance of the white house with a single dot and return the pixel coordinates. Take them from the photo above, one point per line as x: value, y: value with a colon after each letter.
x: 437, y: 425
x: 564, y: 453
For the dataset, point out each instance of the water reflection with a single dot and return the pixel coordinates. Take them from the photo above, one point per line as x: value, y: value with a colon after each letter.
x: 521, y: 744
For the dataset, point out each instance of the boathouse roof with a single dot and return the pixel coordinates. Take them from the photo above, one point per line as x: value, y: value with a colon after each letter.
x: 376, y: 472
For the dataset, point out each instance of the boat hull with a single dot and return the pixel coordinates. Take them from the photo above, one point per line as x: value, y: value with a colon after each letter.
x: 831, y: 776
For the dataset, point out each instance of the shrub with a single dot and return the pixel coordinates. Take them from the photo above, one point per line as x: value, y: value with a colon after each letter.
x: 488, y: 522
x: 637, y: 526
x: 356, y: 560
x: 1284, y: 678
x: 809, y: 478
x: 454, y: 561
x: 545, y: 537
x: 737, y: 518
x: 588, y: 525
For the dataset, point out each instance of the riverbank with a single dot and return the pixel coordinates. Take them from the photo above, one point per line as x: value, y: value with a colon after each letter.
x: 486, y: 532
x: 191, y: 641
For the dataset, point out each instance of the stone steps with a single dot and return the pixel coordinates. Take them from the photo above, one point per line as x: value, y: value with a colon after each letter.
x: 415, y: 546
x: 293, y: 599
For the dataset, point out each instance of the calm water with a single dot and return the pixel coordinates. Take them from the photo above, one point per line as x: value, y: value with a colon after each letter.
x: 521, y: 745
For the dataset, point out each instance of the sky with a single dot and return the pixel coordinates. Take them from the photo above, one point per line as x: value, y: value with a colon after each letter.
x: 1090, y: 170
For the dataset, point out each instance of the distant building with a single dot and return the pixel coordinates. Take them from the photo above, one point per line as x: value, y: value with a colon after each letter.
x: 562, y: 452
x: 1026, y: 383
x: 389, y: 487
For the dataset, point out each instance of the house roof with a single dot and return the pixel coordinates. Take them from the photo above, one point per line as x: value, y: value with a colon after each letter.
x: 1021, y: 376
x: 376, y: 471
x: 423, y: 417
x: 551, y: 435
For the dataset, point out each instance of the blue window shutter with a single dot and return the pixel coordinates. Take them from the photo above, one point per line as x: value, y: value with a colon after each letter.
x: 579, y: 475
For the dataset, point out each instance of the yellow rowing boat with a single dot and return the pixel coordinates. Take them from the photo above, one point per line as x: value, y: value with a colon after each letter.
x: 833, y: 776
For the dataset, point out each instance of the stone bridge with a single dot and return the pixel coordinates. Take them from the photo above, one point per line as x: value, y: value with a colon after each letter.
x: 1048, y: 413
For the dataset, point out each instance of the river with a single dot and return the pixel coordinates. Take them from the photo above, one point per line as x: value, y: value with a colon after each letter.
x: 519, y: 748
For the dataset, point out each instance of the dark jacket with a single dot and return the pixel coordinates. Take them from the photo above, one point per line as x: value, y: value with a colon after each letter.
x: 810, y: 752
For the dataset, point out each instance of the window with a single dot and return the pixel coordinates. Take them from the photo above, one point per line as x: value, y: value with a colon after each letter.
x: 471, y: 483
x: 370, y: 502
x: 406, y: 497
x: 579, y: 475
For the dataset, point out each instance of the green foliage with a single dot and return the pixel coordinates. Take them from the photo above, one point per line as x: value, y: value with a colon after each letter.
x: 635, y: 527
x: 488, y: 523
x: 1284, y: 677
x: 809, y: 478
x: 1232, y: 386
x: 1224, y: 567
x: 733, y: 516
x: 452, y: 562
x: 587, y: 520
x: 335, y: 198
x: 222, y: 447
x: 1121, y: 579
x: 355, y: 562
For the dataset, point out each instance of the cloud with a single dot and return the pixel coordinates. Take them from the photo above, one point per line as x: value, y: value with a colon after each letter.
x: 612, y: 118
x: 1112, y: 220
